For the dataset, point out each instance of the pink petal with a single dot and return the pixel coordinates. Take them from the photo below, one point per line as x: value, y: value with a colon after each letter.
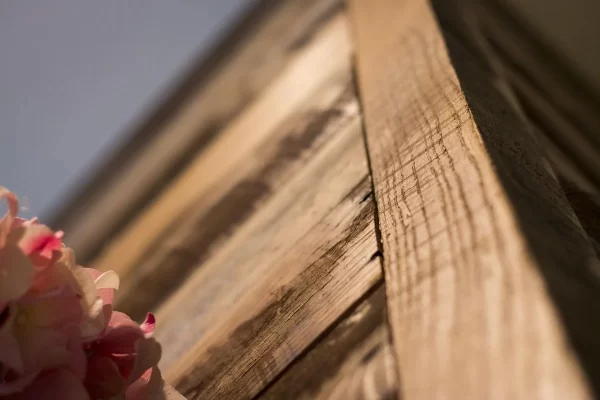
x: 16, y: 273
x: 103, y: 379
x: 39, y: 242
x: 10, y: 356
x: 120, y: 336
x: 107, y: 295
x: 58, y: 308
x: 43, y: 349
x: 148, y: 352
x: 77, y: 361
x: 147, y: 387
x: 59, y: 384
x: 148, y: 325
x: 16, y: 386
x: 7, y: 220
x: 107, y: 280
x: 93, y: 272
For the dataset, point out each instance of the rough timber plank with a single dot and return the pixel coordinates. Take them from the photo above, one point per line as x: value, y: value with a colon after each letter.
x: 202, y: 183
x: 310, y: 245
x: 336, y: 363
x: 168, y: 393
x: 202, y: 228
x: 374, y: 378
x: 491, y: 282
x: 214, y: 93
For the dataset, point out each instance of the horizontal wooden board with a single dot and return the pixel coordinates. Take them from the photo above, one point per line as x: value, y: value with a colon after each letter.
x: 491, y: 282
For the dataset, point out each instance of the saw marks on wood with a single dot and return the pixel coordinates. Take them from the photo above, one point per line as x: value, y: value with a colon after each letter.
x: 468, y: 303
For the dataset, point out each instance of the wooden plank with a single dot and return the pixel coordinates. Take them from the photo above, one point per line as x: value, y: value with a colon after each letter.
x: 213, y: 93
x: 341, y: 356
x: 168, y: 393
x: 374, y: 378
x: 184, y: 246
x: 310, y: 244
x: 202, y: 184
x: 491, y: 282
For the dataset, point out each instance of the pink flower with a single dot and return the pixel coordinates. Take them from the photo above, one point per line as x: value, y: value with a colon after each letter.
x: 16, y: 270
x: 122, y: 362
x: 59, y: 335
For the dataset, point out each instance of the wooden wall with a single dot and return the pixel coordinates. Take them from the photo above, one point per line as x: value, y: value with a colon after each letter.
x: 335, y: 144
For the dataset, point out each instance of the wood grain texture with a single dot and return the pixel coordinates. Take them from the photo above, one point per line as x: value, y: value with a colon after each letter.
x: 374, y: 378
x: 198, y: 231
x: 171, y: 394
x: 218, y: 89
x: 491, y: 282
x: 334, y: 365
x: 202, y: 184
x: 310, y: 244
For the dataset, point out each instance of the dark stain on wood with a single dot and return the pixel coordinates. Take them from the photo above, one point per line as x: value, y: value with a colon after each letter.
x: 222, y: 372
x: 162, y: 270
x: 202, y: 71
x: 206, y: 135
x: 323, y: 359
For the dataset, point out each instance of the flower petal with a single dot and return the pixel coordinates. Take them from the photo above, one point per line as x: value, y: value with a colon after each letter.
x: 43, y: 349
x: 148, y: 355
x: 7, y: 220
x: 108, y: 280
x: 148, y: 325
x: 40, y: 240
x: 10, y: 356
x: 16, y: 273
x: 103, y: 379
x: 94, y: 323
x: 121, y: 335
x: 60, y: 384
x: 53, y: 309
x: 148, y: 387
x: 16, y: 386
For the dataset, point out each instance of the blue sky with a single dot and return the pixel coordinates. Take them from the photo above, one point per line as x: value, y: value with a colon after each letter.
x: 75, y: 74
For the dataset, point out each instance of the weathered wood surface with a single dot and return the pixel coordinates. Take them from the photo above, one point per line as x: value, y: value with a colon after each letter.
x: 170, y: 394
x: 311, y: 244
x: 348, y: 361
x: 214, y: 93
x: 374, y: 378
x: 261, y: 230
x: 491, y: 282
x: 161, y: 230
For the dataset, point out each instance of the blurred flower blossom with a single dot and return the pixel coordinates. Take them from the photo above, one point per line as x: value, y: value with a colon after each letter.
x: 59, y: 335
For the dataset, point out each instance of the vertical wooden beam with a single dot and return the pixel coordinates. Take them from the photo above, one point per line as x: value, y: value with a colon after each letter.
x: 491, y: 282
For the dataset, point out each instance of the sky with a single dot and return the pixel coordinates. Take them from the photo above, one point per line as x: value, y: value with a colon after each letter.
x: 75, y: 74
